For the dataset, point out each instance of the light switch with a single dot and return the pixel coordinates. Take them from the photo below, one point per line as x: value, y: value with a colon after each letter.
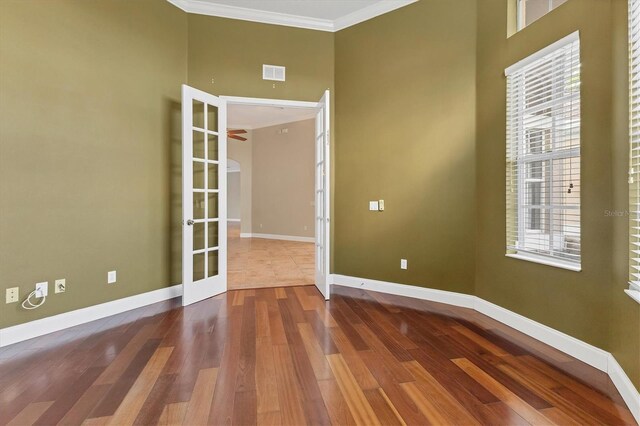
x: 381, y: 205
x: 373, y: 206
x: 403, y: 263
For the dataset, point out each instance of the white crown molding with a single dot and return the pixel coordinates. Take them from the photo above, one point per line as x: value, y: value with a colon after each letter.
x: 253, y: 15
x: 369, y: 12
x: 589, y: 354
x: 29, y: 330
x: 234, y: 12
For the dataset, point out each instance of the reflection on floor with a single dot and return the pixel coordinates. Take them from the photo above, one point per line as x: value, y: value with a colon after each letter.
x: 259, y: 263
x: 285, y: 356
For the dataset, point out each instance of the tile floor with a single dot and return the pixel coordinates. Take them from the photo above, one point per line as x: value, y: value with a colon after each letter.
x: 259, y: 263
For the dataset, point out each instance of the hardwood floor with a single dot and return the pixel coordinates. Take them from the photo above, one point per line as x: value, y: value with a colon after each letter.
x: 285, y: 356
x: 260, y: 263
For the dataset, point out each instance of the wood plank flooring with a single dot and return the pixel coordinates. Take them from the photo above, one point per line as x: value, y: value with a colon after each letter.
x: 285, y: 356
x: 261, y: 263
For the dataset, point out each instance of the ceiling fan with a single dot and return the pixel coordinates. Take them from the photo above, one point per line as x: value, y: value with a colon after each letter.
x: 233, y: 134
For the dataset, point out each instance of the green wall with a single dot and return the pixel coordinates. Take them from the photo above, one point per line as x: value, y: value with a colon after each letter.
x: 90, y: 166
x: 405, y: 106
x: 231, y: 53
x: 590, y: 304
x: 88, y: 91
x: 624, y: 333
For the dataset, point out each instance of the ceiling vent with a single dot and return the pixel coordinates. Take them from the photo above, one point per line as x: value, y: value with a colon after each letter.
x: 273, y: 72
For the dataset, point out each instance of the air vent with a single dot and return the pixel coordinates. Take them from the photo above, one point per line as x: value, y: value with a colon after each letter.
x: 273, y: 72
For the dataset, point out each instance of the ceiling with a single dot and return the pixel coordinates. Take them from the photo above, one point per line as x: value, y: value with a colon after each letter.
x: 323, y: 15
x: 254, y: 117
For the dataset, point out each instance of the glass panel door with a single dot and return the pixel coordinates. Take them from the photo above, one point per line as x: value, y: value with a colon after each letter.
x: 322, y: 196
x: 204, y: 195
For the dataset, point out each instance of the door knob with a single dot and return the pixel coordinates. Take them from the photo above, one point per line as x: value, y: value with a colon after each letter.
x: 190, y: 222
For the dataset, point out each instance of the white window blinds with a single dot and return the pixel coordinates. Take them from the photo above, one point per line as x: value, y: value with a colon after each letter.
x: 543, y: 156
x: 634, y: 146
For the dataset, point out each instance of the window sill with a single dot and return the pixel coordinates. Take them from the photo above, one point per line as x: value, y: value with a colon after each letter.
x: 545, y: 261
x: 634, y: 294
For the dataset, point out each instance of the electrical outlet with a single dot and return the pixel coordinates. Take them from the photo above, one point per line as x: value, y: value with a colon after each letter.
x: 111, y: 277
x: 403, y: 263
x: 13, y: 294
x: 381, y: 205
x: 60, y: 286
x: 42, y: 289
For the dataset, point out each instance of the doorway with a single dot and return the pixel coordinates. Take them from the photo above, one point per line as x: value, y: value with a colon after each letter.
x: 204, y: 120
x: 281, y: 173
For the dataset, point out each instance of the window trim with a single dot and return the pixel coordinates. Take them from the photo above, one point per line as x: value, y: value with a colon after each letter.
x: 573, y: 152
x: 520, y: 18
x: 544, y: 260
x: 633, y: 289
x: 574, y: 36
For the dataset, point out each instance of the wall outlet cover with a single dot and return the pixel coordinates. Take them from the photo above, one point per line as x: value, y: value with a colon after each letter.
x: 111, y: 277
x: 42, y: 289
x: 403, y: 263
x: 381, y: 205
x: 60, y: 286
x: 373, y: 206
x: 12, y: 294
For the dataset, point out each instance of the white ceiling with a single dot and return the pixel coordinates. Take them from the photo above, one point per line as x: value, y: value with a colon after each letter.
x: 255, y: 117
x: 323, y: 15
x: 319, y: 9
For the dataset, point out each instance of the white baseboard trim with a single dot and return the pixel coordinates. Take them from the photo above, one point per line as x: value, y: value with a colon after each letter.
x: 583, y: 351
x: 29, y: 330
x: 589, y: 354
x: 627, y: 390
x: 448, y: 297
x: 279, y: 237
x: 233, y: 220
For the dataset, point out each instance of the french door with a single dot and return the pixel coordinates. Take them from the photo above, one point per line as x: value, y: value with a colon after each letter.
x: 322, y: 195
x: 204, y: 199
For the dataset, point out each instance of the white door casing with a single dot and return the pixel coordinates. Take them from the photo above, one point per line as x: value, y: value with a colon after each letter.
x: 204, y: 195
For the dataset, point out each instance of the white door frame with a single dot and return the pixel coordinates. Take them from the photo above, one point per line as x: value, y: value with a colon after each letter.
x: 239, y: 100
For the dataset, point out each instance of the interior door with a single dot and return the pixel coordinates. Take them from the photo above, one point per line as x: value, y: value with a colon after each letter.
x: 204, y: 199
x: 322, y: 195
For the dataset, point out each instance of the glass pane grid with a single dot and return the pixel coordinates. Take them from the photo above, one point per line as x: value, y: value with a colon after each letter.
x: 205, y: 190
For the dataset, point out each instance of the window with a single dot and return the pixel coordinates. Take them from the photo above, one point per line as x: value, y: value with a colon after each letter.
x: 532, y: 10
x: 543, y: 156
x: 634, y: 150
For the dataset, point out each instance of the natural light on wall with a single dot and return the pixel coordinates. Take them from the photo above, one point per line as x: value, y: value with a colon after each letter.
x: 543, y: 156
x: 634, y: 150
x: 532, y: 10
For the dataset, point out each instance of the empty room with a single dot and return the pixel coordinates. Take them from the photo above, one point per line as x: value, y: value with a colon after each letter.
x: 304, y: 212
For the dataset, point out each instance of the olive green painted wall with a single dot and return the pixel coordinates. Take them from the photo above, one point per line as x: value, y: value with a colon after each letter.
x: 90, y: 137
x: 231, y: 52
x: 581, y: 304
x: 624, y: 332
x: 88, y: 89
x: 405, y: 105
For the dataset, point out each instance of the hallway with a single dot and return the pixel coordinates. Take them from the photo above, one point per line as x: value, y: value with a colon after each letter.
x: 260, y: 263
